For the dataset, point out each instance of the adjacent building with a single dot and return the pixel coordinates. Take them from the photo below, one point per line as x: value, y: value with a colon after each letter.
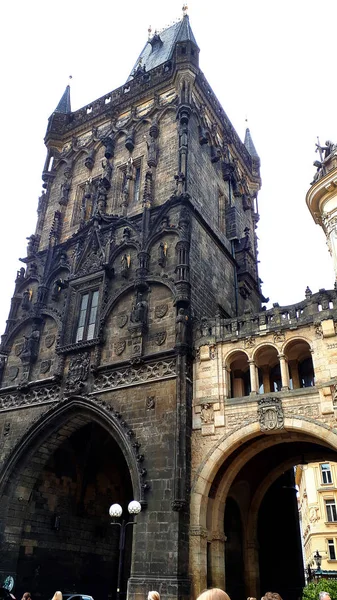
x: 318, y: 512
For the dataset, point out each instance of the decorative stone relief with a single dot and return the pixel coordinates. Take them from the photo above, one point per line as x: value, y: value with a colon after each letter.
x: 270, y: 414
x: 78, y: 372
x: 313, y: 514
x: 318, y: 330
x: 13, y: 373
x: 307, y: 410
x: 18, y: 349
x: 279, y: 336
x: 120, y: 347
x: 45, y: 366
x: 249, y: 342
x: 49, y: 340
x: 160, y: 311
x: 207, y: 413
x: 34, y: 396
x: 7, y: 428
x: 160, y: 338
x: 122, y: 320
x: 150, y: 402
x: 135, y: 375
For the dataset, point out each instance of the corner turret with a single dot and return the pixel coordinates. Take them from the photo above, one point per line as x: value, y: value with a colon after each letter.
x: 322, y: 196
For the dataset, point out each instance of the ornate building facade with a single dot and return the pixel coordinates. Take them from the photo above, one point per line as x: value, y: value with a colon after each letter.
x: 137, y: 362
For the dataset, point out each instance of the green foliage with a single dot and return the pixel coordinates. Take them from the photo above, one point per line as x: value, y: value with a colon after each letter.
x: 312, y: 590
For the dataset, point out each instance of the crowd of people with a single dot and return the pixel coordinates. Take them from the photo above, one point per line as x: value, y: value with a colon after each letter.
x: 211, y: 594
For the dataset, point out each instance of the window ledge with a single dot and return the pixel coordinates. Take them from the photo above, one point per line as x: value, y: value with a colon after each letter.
x: 77, y: 346
x: 334, y: 523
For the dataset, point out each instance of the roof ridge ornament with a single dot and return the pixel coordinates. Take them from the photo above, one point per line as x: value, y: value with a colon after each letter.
x: 185, y: 9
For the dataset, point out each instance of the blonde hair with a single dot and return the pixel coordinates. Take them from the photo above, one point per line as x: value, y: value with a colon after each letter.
x: 213, y: 594
x: 153, y: 595
x: 57, y: 596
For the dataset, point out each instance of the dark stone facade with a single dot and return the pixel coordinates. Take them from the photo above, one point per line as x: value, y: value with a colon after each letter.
x: 146, y: 226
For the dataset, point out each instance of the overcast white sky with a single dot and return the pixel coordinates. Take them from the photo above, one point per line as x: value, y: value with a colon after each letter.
x: 273, y: 62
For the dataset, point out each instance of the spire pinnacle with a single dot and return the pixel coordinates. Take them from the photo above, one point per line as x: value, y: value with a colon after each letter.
x: 64, y: 105
x: 185, y: 9
x: 250, y: 144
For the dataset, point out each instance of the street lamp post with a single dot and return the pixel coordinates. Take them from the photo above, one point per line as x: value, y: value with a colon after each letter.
x: 115, y: 511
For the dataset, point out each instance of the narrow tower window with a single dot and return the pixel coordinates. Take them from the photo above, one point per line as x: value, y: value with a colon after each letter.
x: 136, y: 185
x: 87, y: 316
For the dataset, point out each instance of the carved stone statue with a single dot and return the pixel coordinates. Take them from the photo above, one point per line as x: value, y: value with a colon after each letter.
x: 26, y: 299
x: 30, y: 346
x: 162, y: 253
x: 107, y: 172
x: 139, y: 311
x: 65, y: 189
x: 125, y: 265
x: 181, y: 326
x: 31, y: 246
x: 20, y: 275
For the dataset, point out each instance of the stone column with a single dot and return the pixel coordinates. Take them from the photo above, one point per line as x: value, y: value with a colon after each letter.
x: 284, y: 371
x: 294, y: 374
x: 218, y: 559
x: 252, y: 571
x: 227, y: 382
x: 253, y: 377
x: 266, y: 379
x: 198, y: 560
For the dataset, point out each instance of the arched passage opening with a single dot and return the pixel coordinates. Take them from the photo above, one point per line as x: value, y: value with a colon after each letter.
x: 257, y: 477
x: 58, y: 497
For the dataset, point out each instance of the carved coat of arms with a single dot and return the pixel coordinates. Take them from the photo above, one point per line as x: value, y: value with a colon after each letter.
x: 270, y: 414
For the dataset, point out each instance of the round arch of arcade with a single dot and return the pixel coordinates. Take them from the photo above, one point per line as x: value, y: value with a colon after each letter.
x: 269, y: 367
x: 207, y: 517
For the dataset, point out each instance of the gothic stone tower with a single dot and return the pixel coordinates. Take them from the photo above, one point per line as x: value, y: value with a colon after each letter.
x: 146, y: 224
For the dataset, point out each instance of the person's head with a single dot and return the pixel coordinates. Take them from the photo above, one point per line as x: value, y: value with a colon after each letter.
x: 57, y: 596
x: 213, y: 594
x: 26, y: 596
x: 153, y: 595
x: 324, y: 596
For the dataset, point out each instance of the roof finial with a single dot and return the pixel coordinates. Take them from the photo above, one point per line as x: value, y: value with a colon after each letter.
x: 149, y: 32
x: 185, y: 9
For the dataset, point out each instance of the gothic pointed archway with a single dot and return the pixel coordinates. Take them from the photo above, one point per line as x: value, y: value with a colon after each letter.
x: 58, y: 485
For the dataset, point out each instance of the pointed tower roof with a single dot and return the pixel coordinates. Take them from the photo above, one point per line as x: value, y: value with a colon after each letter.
x: 250, y: 144
x: 64, y: 104
x: 160, y: 48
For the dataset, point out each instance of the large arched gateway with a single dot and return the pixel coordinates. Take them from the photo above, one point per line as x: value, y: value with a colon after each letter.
x: 57, y: 486
x: 244, y: 506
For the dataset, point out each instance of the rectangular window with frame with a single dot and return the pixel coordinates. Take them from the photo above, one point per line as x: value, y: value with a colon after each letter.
x: 87, y: 316
x: 326, y: 473
x: 136, y: 186
x: 331, y: 549
x: 331, y: 511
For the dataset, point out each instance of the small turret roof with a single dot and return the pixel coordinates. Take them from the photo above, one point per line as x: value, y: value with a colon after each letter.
x: 160, y: 48
x: 64, y: 104
x: 250, y: 144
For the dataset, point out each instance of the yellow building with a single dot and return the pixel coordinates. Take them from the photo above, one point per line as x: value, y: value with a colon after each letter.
x: 318, y: 512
